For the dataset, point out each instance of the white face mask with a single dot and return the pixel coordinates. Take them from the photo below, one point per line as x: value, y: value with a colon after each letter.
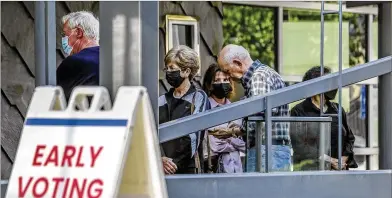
x: 66, y: 48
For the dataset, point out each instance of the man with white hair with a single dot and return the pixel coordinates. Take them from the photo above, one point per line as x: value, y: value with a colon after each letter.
x: 259, y: 79
x: 80, y: 39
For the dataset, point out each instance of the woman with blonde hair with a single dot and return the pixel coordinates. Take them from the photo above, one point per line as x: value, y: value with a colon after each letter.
x: 181, y: 155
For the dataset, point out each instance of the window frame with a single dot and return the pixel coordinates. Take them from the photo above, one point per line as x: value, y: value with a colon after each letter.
x: 182, y: 20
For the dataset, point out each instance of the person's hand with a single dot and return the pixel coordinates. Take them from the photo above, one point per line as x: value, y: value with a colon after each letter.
x: 233, y: 125
x: 169, y: 167
x: 335, y: 163
x: 345, y: 159
x: 220, y: 128
x: 235, y: 128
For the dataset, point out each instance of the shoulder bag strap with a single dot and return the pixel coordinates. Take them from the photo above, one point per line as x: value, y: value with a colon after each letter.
x: 209, y: 162
x: 196, y: 156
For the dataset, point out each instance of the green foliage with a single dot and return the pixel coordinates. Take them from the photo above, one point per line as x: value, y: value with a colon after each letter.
x: 299, y: 166
x: 251, y: 27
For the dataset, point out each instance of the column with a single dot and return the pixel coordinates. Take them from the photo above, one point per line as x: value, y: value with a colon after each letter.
x: 385, y: 87
x: 129, y: 46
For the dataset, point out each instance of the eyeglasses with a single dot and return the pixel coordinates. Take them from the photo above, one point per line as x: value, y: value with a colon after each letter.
x: 166, y: 69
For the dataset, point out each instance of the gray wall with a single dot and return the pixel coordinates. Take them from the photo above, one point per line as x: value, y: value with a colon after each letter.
x: 17, y: 69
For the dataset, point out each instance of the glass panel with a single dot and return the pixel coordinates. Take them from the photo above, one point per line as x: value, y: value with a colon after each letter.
x: 183, y: 35
x: 361, y: 161
x: 301, y: 35
x: 311, y: 148
x: 375, y: 38
x: 373, y: 132
x: 357, y: 114
x: 301, y: 49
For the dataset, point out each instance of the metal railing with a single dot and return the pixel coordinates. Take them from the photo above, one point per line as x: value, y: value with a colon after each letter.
x: 340, y: 61
x: 251, y: 106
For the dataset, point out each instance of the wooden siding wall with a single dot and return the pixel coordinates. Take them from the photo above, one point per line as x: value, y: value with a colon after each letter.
x: 210, y: 15
x: 17, y: 68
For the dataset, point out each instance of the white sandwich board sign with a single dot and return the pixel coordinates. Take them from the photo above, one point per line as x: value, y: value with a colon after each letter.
x: 92, y: 151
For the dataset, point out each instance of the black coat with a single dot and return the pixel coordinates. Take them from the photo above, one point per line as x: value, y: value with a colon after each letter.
x: 305, y: 141
x: 170, y: 109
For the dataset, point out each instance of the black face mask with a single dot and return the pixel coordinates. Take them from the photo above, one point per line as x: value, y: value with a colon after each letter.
x: 174, y: 78
x: 330, y: 95
x: 221, y: 90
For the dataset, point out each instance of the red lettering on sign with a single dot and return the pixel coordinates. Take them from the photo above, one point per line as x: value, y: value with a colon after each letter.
x: 22, y: 190
x: 94, y: 155
x: 44, y: 186
x: 53, y: 157
x: 65, y: 188
x: 69, y: 152
x: 78, y: 188
x: 37, y: 155
x: 79, y: 159
x: 71, y: 156
x: 73, y: 187
x: 96, y: 187
x: 56, y: 181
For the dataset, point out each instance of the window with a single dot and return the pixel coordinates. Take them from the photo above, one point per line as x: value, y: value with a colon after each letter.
x: 182, y: 30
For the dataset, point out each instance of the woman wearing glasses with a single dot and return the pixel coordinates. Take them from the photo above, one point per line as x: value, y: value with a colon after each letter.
x: 181, y: 155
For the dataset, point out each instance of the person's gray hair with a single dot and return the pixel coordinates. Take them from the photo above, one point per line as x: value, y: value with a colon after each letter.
x: 185, y: 57
x: 84, y: 20
x: 235, y: 52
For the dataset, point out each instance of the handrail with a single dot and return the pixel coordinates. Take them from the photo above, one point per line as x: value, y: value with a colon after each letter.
x: 251, y: 106
x: 292, y: 119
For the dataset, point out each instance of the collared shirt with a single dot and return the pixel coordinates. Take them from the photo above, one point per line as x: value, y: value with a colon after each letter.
x: 259, y: 80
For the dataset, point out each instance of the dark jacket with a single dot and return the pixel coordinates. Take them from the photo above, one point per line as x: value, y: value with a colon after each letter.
x: 79, y: 69
x: 305, y: 137
x: 170, y: 108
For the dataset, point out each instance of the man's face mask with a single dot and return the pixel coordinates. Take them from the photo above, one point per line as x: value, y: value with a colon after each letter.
x: 174, y: 78
x: 221, y: 90
x: 330, y: 95
x: 65, y: 44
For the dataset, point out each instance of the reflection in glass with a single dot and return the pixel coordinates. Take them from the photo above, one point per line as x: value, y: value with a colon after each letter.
x: 311, y: 143
x: 311, y: 148
x: 301, y: 49
x: 183, y: 35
